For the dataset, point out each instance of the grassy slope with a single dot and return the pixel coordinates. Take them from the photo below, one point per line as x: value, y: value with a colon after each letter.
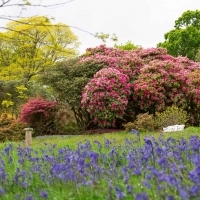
x: 118, y: 137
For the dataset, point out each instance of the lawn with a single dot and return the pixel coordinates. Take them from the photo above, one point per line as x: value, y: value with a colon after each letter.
x: 103, y: 166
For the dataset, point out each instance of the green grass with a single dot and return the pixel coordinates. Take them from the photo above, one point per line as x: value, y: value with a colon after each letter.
x: 118, y: 137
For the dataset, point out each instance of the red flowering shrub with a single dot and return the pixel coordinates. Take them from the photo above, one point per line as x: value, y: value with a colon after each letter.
x: 38, y: 113
x: 106, y: 96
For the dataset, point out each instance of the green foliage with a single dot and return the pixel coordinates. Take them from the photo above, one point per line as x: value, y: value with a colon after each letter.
x: 171, y: 116
x: 32, y: 44
x: 64, y: 120
x: 11, y: 129
x: 71, y: 128
x: 127, y: 46
x: 129, y: 126
x: 13, y: 94
x: 105, y: 36
x: 143, y: 122
x: 184, y: 40
x: 27, y: 48
x: 67, y: 79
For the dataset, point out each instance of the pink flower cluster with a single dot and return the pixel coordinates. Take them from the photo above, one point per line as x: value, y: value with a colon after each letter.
x: 165, y: 82
x: 106, y: 96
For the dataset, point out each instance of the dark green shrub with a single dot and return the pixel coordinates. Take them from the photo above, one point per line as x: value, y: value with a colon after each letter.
x: 71, y: 128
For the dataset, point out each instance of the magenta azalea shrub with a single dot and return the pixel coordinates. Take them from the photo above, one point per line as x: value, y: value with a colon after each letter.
x: 35, y: 109
x: 39, y: 113
x: 142, y: 80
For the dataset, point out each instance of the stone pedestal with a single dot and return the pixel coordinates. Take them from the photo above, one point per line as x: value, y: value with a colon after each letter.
x: 28, y: 136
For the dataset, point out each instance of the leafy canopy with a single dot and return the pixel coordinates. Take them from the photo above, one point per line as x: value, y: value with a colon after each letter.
x: 32, y: 44
x: 184, y: 39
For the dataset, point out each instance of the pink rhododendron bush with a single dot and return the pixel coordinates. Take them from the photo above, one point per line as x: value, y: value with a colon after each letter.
x: 106, y: 96
x: 138, y: 81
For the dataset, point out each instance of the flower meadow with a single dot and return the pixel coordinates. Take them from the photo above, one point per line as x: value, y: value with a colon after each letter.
x: 158, y: 169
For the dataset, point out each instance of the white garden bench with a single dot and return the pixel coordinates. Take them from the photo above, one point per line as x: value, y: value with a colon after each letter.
x: 174, y: 128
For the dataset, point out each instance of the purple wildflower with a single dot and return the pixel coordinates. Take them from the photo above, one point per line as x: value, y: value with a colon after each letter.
x: 2, y: 191
x: 194, y: 190
x: 129, y: 189
x: 119, y: 193
x: 141, y: 196
x: 170, y: 197
x: 44, y: 194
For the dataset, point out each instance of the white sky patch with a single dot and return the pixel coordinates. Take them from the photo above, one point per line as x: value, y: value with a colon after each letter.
x: 144, y: 22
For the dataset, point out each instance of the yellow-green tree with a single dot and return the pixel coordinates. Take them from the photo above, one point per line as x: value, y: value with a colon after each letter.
x: 32, y: 44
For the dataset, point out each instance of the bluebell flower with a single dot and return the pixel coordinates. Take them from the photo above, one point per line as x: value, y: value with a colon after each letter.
x: 20, y: 177
x: 170, y: 197
x: 94, y: 157
x: 162, y: 161
x: 182, y: 146
x: 195, y: 159
x: 119, y: 193
x: 90, y: 182
x: 155, y: 172
x: 194, y: 143
x: 183, y: 194
x: 194, y: 175
x: 44, y: 194
x: 2, y: 173
x: 7, y: 150
x: 129, y: 189
x: 81, y: 162
x: 146, y: 184
x: 2, y: 191
x: 170, y: 179
x: 148, y: 176
x: 104, y: 157
x: 107, y: 143
x: 159, y: 151
x: 141, y: 196
x: 194, y: 190
x: 137, y: 171
x: 30, y: 198
x: 171, y: 139
x: 62, y: 151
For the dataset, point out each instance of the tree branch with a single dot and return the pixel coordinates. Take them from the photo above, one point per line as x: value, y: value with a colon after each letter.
x: 5, y: 4
x: 50, y: 25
